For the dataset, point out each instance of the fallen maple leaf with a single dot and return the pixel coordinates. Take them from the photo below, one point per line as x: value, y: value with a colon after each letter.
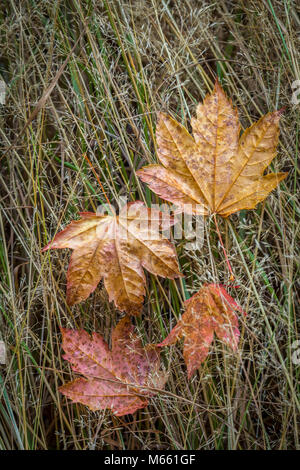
x: 121, y: 379
x: 117, y: 248
x: 209, y: 310
x: 215, y: 172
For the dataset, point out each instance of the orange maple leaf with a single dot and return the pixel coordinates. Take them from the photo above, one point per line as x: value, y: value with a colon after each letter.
x: 117, y: 248
x: 214, y: 172
x: 121, y: 379
x: 209, y: 311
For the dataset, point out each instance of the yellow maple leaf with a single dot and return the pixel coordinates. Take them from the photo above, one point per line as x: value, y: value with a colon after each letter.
x: 216, y: 171
x: 116, y: 249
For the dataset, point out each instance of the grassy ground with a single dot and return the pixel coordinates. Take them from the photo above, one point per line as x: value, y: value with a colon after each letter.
x: 131, y: 59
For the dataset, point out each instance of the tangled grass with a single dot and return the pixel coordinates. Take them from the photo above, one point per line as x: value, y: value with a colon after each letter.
x: 122, y: 62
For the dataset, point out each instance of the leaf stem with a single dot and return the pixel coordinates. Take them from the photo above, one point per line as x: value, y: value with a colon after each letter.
x: 98, y: 179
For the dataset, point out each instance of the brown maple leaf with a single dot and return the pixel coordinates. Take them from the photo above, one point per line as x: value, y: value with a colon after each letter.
x: 214, y: 172
x: 117, y: 248
x: 121, y: 379
x: 209, y: 311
